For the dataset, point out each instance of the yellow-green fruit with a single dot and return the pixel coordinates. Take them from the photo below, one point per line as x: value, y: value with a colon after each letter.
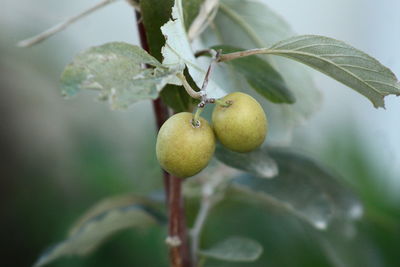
x: 182, y: 149
x: 242, y: 125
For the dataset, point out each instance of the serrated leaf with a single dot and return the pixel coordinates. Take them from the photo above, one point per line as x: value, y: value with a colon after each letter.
x: 303, y: 188
x: 178, y: 53
x: 257, y: 162
x: 234, y: 249
x: 99, y: 223
x: 342, y: 62
x: 117, y: 72
x: 261, y: 76
x: 251, y: 24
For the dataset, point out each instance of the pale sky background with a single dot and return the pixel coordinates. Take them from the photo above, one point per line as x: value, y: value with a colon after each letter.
x: 370, y: 25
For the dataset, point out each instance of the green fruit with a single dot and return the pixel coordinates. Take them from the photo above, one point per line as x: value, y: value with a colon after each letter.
x: 241, y: 125
x: 182, y: 149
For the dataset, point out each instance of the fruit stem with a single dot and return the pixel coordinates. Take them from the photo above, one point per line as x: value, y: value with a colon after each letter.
x: 223, y: 103
x: 196, y: 121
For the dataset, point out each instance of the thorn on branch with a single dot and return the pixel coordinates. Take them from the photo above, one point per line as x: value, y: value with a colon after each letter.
x: 61, y: 26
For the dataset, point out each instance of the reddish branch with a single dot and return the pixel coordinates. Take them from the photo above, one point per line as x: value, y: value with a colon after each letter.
x: 179, y: 253
x: 160, y: 109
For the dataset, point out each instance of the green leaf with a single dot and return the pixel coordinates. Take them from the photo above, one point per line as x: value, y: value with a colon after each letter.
x: 261, y: 76
x: 342, y: 62
x: 178, y: 53
x: 257, y: 162
x: 175, y: 97
x: 250, y: 24
x: 303, y: 188
x: 99, y: 223
x: 234, y: 249
x: 154, y: 14
x: 116, y: 71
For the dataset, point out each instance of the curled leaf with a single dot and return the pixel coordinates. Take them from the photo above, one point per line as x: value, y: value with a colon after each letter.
x: 234, y: 249
x: 99, y: 223
x: 303, y: 188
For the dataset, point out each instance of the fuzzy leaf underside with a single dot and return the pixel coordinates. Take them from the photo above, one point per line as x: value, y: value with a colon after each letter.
x: 117, y: 72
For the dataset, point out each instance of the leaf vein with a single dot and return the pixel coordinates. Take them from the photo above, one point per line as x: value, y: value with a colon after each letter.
x: 316, y: 45
x: 384, y: 83
x: 326, y: 60
x: 361, y: 68
x: 293, y: 41
x: 344, y: 55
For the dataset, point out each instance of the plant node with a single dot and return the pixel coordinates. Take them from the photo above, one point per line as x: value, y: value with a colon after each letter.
x: 173, y: 241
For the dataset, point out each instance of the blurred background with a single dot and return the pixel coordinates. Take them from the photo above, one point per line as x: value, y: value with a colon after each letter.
x: 60, y: 157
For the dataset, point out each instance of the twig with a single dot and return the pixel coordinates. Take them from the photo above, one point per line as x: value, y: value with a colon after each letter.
x: 202, y: 215
x: 235, y: 55
x: 207, y: 12
x: 208, y: 201
x: 188, y: 88
x: 208, y: 73
x: 177, y: 235
x: 61, y: 26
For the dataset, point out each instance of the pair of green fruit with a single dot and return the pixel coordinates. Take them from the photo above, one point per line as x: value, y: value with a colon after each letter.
x: 184, y: 148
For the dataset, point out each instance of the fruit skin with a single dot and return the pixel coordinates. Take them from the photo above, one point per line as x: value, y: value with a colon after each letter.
x: 242, y: 126
x: 182, y: 149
